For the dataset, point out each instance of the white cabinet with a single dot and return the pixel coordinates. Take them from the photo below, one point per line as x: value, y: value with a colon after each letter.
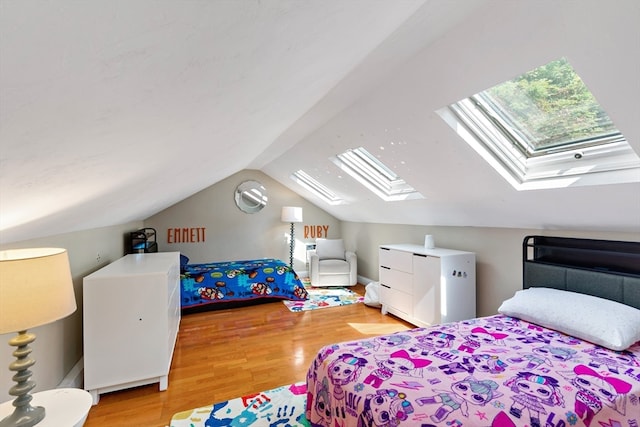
x: 427, y: 286
x: 131, y: 314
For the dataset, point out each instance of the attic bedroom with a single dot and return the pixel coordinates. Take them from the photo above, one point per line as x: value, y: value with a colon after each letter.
x: 131, y: 115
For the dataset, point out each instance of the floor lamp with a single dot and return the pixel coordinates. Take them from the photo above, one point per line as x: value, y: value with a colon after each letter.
x: 35, y: 289
x: 292, y: 215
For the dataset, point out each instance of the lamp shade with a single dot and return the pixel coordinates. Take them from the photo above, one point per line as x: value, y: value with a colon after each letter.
x: 35, y: 288
x: 291, y: 214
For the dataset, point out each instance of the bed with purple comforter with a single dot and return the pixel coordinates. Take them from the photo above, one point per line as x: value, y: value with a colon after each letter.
x: 563, y: 351
x: 492, y: 371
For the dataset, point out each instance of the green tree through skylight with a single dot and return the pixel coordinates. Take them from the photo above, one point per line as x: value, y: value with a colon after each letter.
x: 549, y: 107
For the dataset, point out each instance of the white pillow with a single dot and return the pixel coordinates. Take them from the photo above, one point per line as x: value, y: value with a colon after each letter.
x: 330, y: 248
x: 607, y: 323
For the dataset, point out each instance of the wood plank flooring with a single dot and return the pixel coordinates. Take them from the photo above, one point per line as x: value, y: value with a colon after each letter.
x: 224, y: 354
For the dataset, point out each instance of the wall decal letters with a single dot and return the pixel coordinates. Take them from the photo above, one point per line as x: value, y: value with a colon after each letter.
x: 186, y: 235
x: 316, y: 231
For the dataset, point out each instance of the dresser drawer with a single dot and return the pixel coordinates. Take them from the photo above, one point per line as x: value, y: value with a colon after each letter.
x: 398, y: 280
x: 396, y: 299
x: 398, y: 260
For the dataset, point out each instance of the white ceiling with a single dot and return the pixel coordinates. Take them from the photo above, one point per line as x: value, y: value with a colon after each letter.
x: 102, y: 103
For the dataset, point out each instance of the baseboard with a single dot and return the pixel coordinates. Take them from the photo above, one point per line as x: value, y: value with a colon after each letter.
x: 364, y: 280
x: 75, y: 377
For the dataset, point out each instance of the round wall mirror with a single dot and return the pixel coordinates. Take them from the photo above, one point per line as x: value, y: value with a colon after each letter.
x: 251, y: 196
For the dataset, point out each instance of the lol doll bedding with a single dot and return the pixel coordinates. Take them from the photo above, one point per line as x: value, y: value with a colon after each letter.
x: 493, y: 371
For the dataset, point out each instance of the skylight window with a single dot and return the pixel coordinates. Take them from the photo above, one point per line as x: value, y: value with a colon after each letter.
x: 374, y: 175
x: 545, y: 129
x: 308, y: 182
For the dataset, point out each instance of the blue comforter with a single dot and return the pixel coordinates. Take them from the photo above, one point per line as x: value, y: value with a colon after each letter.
x: 228, y: 281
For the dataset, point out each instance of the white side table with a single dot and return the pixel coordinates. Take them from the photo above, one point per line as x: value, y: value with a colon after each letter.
x: 63, y: 407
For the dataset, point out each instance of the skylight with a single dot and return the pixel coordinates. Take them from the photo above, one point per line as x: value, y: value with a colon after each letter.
x: 545, y: 129
x: 374, y: 175
x: 308, y: 182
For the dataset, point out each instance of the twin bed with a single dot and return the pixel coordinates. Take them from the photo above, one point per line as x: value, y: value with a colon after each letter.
x: 226, y: 284
x: 564, y: 351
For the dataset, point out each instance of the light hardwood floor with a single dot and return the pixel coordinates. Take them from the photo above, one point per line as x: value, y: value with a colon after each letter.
x: 224, y: 354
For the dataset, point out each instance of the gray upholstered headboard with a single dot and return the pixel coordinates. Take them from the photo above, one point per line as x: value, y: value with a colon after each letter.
x: 604, y: 268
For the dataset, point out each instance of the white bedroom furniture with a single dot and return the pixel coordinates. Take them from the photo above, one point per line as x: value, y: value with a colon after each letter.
x: 331, y: 265
x: 427, y: 286
x: 131, y: 319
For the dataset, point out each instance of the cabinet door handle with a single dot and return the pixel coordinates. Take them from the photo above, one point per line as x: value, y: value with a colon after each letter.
x: 385, y: 286
x: 386, y: 268
x: 422, y: 255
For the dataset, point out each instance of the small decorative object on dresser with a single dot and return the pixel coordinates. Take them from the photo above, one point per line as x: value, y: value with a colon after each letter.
x: 427, y: 286
x: 131, y: 319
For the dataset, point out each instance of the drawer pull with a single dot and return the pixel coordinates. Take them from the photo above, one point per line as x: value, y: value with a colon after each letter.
x: 385, y: 267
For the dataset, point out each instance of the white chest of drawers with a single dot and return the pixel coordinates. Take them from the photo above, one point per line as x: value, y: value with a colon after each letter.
x: 427, y: 286
x: 131, y: 314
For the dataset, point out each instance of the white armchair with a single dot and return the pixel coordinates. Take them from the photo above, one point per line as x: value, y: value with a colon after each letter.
x: 331, y: 265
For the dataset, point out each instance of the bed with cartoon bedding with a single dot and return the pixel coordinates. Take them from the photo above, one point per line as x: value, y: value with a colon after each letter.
x: 563, y: 351
x: 232, y: 283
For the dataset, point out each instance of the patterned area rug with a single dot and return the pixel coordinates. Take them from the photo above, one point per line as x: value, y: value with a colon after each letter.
x: 279, y: 407
x: 324, y: 298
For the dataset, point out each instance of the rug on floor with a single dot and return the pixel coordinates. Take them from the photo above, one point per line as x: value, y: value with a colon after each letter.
x: 282, y: 406
x: 323, y: 298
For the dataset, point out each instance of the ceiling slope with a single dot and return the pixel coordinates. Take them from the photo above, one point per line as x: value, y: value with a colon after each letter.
x: 112, y: 111
x: 397, y: 121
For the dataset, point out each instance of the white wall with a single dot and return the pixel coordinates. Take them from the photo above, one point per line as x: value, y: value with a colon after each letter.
x: 234, y: 235
x: 58, y: 346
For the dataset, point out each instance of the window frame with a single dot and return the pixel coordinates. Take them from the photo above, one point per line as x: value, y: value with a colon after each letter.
x: 602, y: 159
x: 374, y: 175
x: 314, y: 186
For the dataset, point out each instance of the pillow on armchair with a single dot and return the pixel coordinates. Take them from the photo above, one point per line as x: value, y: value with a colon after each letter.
x: 330, y: 248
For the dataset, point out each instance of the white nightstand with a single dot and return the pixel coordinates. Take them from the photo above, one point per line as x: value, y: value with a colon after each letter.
x: 67, y: 407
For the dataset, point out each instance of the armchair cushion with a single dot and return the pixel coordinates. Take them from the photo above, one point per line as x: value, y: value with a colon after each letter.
x: 330, y: 249
x: 334, y: 266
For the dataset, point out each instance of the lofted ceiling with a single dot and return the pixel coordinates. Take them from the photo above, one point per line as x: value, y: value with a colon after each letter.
x: 102, y: 103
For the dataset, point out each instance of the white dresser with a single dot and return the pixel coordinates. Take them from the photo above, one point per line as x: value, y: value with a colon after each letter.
x: 131, y: 320
x: 427, y: 286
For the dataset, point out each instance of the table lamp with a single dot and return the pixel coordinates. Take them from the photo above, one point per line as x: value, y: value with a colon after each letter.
x: 291, y: 214
x: 35, y: 289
